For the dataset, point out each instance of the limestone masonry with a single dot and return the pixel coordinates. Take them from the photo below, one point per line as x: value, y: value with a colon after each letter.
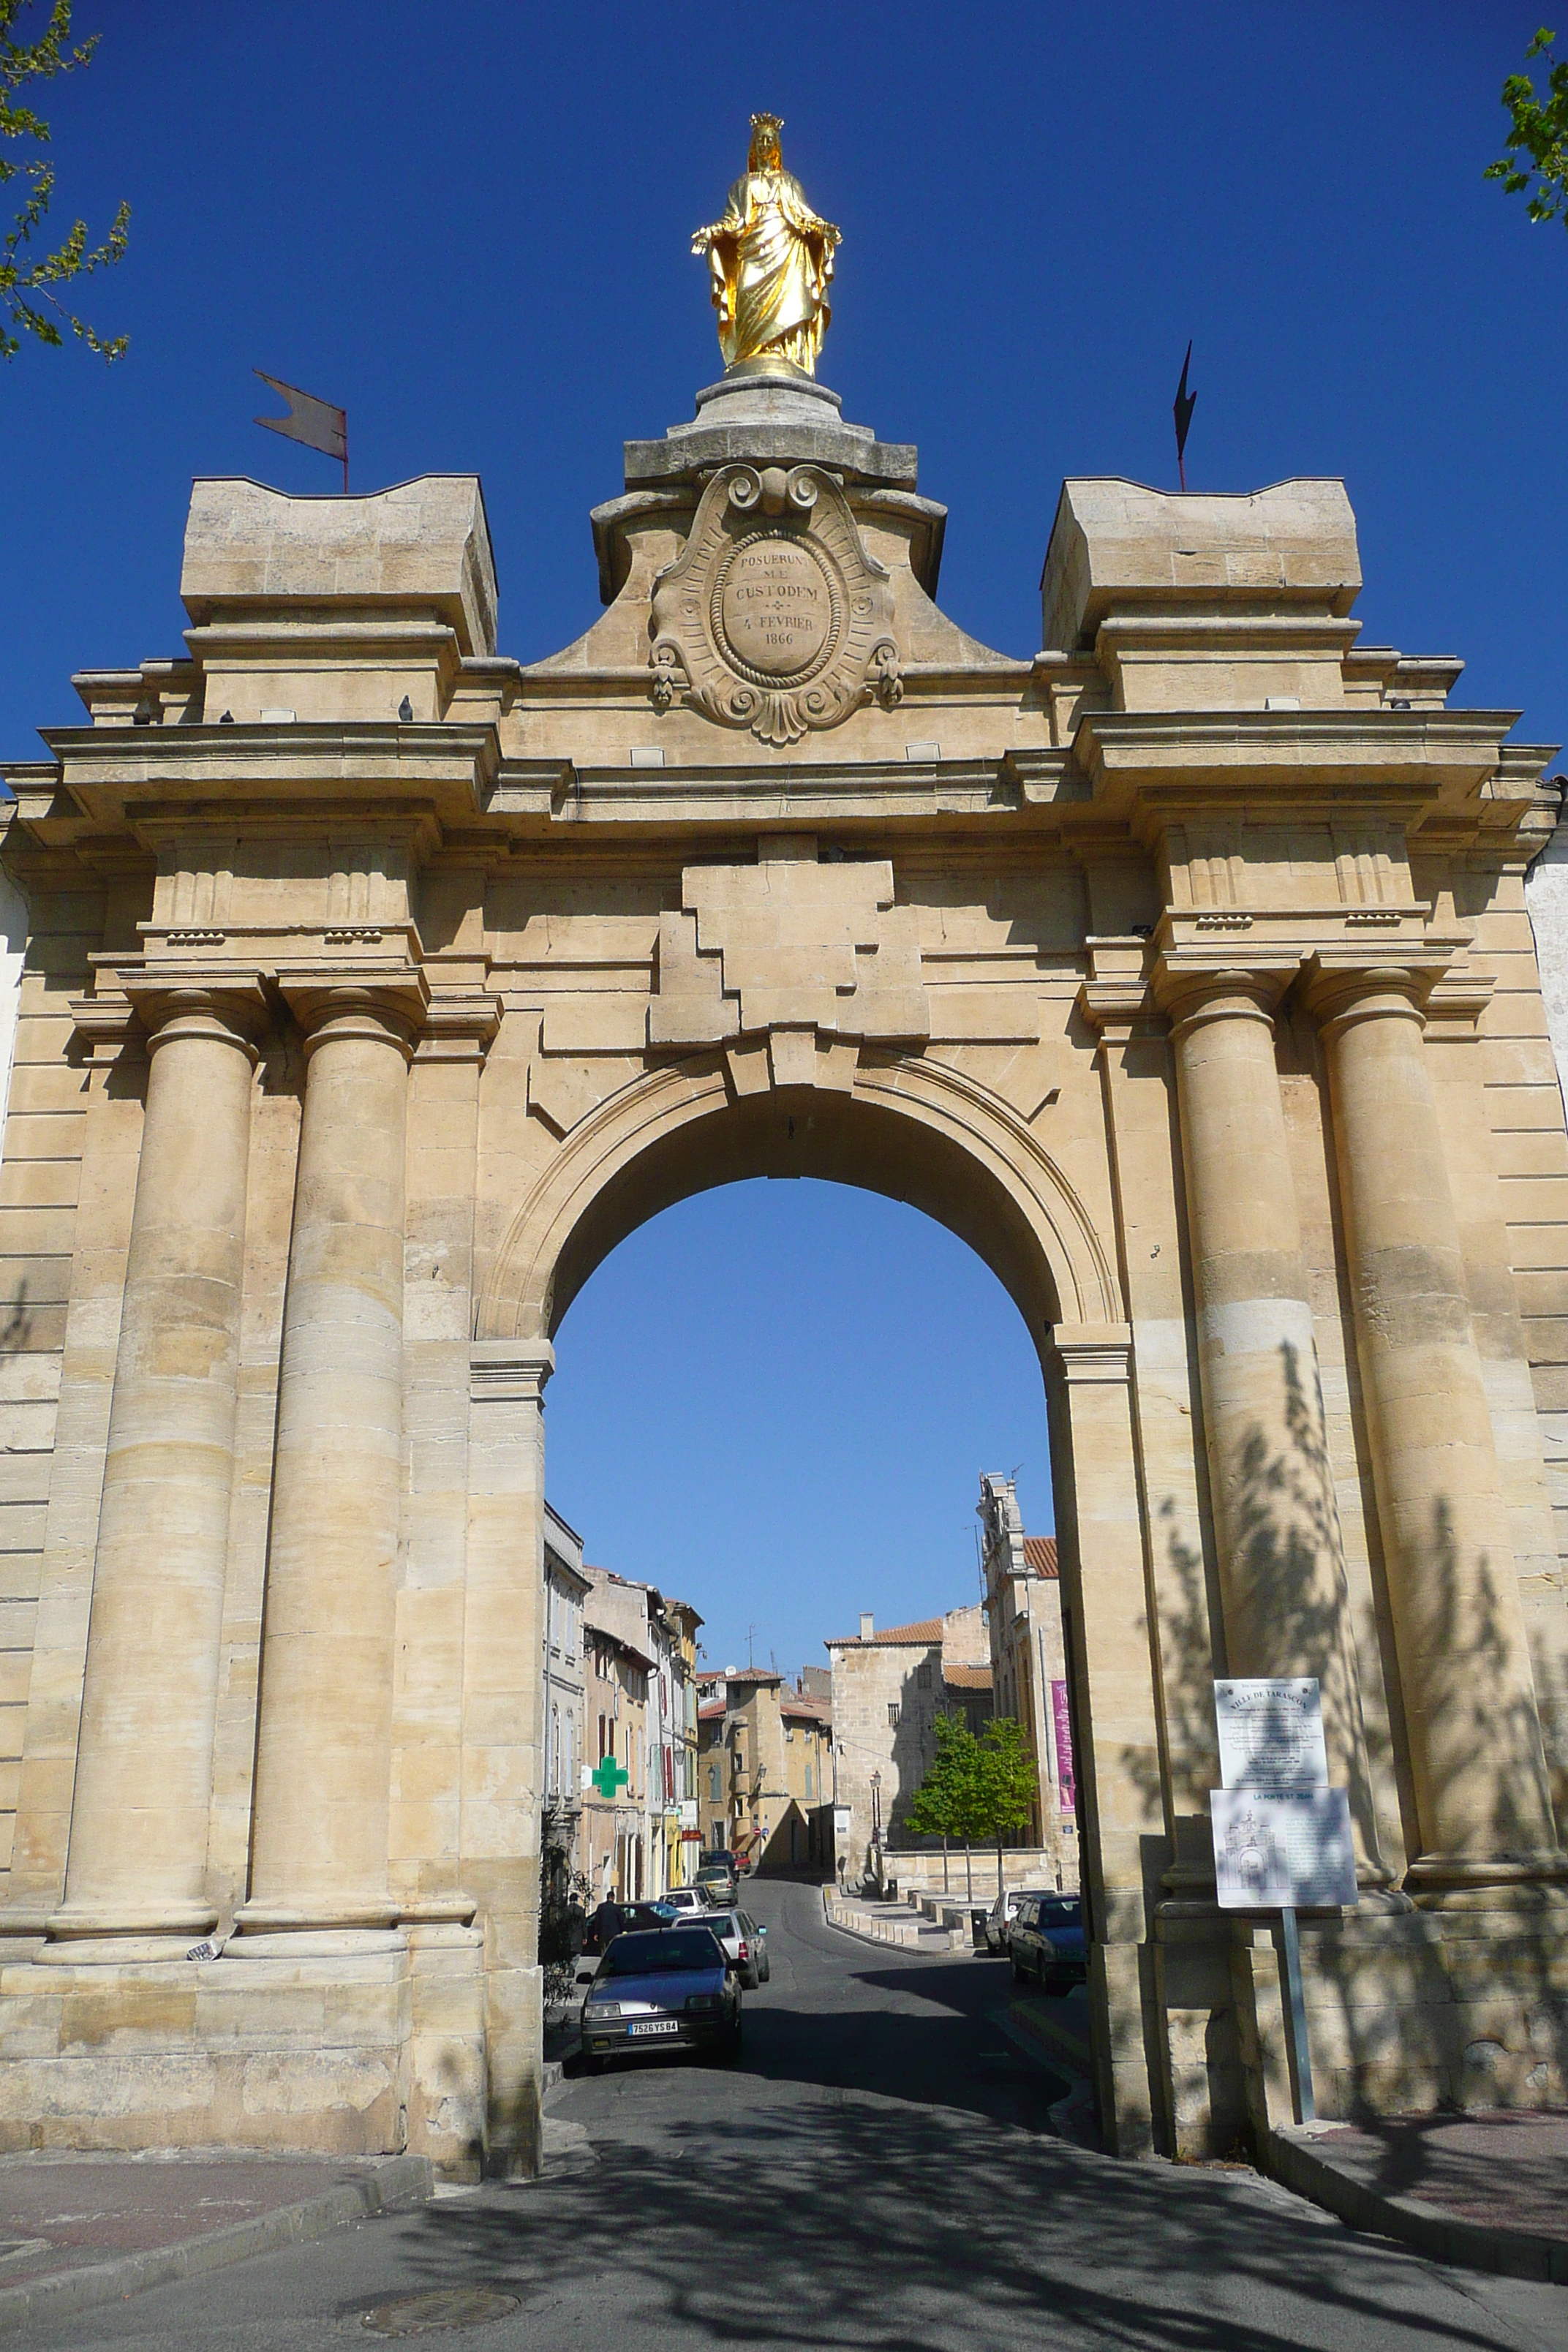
x: 377, y: 986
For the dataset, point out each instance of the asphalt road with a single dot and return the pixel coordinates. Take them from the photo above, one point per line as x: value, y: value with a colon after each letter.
x: 880, y: 2171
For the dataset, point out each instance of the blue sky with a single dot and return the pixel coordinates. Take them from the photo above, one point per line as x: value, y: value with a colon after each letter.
x: 470, y: 227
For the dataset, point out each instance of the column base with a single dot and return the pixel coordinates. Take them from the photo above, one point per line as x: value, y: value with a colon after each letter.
x: 190, y: 1920
x: 328, y: 1916
x: 375, y: 2047
x: 1507, y: 1882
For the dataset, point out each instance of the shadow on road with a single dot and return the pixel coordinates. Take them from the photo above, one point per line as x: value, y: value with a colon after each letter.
x: 826, y: 2220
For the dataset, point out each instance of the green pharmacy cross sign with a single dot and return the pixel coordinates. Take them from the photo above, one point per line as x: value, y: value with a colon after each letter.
x: 609, y: 1776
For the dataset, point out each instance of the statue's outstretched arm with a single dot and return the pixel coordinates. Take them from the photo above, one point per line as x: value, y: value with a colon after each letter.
x: 733, y: 221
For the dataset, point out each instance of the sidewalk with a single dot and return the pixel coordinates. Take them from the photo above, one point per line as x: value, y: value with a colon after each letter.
x: 887, y: 1923
x: 1488, y: 2191
x: 77, y: 2231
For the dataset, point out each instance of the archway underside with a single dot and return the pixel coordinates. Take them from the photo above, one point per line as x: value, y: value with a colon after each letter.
x: 914, y: 1131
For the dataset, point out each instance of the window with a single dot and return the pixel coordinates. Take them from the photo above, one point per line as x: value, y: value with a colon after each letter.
x: 602, y: 1748
x: 923, y: 1676
x: 714, y: 1784
x: 893, y: 1713
x: 808, y: 1784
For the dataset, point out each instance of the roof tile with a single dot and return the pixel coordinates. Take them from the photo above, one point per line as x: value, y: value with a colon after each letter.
x: 1040, y: 1554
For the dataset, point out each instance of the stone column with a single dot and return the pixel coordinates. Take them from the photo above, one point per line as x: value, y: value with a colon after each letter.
x: 1281, y: 1557
x: 502, y: 1778
x: 1476, y: 1753
x: 1099, y: 1515
x: 324, y: 1744
x: 138, y: 1849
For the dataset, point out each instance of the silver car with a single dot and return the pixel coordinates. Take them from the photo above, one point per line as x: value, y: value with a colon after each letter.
x: 745, y: 1945
x: 999, y: 1918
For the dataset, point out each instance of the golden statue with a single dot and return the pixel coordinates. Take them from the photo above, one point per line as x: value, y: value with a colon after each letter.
x: 770, y: 259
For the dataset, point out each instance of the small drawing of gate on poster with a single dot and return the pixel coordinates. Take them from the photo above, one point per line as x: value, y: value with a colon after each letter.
x: 1282, y: 1848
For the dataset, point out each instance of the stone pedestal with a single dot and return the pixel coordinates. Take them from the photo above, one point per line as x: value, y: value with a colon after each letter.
x: 358, y: 2044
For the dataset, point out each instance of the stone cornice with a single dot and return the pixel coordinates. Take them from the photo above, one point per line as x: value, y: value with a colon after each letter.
x: 1155, y: 766
x: 124, y: 780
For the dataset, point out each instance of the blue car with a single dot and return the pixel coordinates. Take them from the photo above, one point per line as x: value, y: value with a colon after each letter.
x: 1046, y: 1941
x: 669, y: 1989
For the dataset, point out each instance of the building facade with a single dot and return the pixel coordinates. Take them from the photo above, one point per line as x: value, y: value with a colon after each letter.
x: 889, y: 1689
x: 378, y: 985
x: 764, y: 1768
x: 615, y: 1786
x: 684, y: 1623
x: 1028, y: 1667
x: 567, y: 1588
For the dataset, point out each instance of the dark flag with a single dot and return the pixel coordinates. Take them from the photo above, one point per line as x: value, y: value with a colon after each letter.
x: 314, y: 422
x: 1185, y: 405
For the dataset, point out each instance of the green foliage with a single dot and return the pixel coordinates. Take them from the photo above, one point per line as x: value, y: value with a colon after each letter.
x: 1012, y: 1775
x: 27, y: 281
x: 949, y: 1801
x: 975, y: 1788
x: 1538, y: 131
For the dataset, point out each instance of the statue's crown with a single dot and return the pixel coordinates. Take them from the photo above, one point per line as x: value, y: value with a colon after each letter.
x: 768, y: 124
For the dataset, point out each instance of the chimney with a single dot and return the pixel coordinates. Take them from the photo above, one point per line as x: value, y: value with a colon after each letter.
x: 865, y: 1624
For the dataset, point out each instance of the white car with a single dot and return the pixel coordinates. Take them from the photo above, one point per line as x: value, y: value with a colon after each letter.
x: 685, y: 1899
x: 745, y: 1945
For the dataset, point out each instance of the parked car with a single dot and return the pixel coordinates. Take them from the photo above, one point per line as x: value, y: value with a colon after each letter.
x: 670, y: 1988
x: 684, y: 1900
x: 1046, y: 1941
x: 717, y: 1882
x: 999, y: 1918
x: 745, y: 1945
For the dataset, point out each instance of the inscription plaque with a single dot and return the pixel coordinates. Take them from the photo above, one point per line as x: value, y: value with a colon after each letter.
x: 773, y: 608
x: 773, y: 616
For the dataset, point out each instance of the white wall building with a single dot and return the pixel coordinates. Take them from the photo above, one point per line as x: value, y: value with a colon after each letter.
x: 566, y: 1589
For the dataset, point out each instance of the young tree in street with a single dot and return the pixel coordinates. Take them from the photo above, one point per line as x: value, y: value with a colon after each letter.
x: 28, y: 279
x: 1013, y: 1781
x: 952, y: 1799
x: 1537, y: 144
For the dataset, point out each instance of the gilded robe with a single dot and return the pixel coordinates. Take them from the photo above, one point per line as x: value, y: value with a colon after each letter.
x: 771, y: 258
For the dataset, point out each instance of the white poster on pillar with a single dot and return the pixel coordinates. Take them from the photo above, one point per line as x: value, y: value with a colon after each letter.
x: 1282, y: 1848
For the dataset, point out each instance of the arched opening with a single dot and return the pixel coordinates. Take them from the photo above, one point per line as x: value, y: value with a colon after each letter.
x: 927, y: 1136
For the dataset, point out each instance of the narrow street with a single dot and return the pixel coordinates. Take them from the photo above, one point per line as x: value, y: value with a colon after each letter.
x: 880, y: 2169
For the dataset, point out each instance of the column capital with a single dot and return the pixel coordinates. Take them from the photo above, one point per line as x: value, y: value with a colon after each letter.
x: 506, y: 1371
x: 1097, y: 1352
x: 227, y: 1006
x: 222, y: 1000
x: 1193, y: 993
x: 1339, y: 992
x: 459, y: 1028
x: 383, y: 1001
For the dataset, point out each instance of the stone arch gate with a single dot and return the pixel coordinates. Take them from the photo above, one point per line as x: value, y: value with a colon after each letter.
x: 378, y: 985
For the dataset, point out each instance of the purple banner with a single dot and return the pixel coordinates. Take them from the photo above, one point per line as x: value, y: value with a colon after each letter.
x: 1066, y: 1786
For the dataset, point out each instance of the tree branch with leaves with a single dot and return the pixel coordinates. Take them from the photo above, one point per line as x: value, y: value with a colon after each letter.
x: 29, y: 281
x: 1536, y: 149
